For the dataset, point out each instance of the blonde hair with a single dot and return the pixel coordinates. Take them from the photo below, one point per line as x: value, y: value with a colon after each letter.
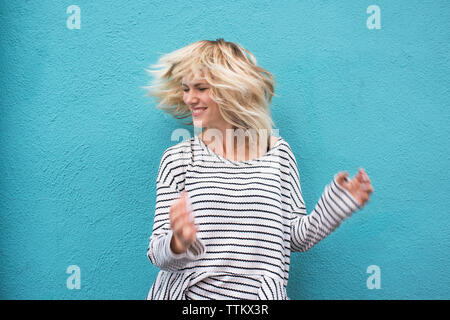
x: 242, y: 90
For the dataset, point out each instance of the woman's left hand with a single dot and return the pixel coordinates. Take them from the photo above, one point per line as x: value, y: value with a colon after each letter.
x: 359, y: 187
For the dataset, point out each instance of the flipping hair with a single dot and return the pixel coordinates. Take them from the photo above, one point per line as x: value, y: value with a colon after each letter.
x: 242, y: 90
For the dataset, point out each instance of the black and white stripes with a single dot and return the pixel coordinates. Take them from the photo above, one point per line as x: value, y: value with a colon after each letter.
x: 250, y: 215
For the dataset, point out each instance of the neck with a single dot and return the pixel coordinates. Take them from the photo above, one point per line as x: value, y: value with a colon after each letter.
x: 221, y: 139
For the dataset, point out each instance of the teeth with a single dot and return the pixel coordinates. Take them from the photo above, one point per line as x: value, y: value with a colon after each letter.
x: 195, y: 111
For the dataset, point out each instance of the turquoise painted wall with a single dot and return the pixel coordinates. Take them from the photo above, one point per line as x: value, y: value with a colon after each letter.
x: 81, y: 143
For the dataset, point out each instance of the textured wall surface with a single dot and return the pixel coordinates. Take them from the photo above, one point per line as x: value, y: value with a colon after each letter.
x: 80, y: 144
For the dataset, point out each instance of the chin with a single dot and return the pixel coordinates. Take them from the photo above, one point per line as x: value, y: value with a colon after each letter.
x: 199, y: 123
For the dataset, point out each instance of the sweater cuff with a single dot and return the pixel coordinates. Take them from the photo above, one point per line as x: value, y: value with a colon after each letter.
x: 195, y: 251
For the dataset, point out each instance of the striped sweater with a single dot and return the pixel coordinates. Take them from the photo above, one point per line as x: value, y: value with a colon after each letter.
x: 251, y: 216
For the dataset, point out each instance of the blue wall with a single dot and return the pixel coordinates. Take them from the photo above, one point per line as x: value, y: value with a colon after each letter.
x: 81, y: 143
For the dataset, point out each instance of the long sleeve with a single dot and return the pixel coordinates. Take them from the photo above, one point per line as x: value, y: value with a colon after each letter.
x: 168, y: 183
x: 334, y: 205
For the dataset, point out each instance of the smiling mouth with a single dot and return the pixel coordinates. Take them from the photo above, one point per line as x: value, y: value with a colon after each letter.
x: 198, y: 111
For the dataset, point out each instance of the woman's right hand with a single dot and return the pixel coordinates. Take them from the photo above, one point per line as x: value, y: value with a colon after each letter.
x: 183, y: 227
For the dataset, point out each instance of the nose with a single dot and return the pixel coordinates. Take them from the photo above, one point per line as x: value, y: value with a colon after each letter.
x: 190, y: 98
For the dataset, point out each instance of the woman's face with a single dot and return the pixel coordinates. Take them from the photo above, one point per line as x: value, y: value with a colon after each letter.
x: 205, y: 112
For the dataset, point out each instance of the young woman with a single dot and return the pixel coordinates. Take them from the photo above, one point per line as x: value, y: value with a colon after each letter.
x: 229, y: 206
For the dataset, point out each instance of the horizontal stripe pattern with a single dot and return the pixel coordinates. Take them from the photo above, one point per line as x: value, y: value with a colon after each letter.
x: 250, y: 217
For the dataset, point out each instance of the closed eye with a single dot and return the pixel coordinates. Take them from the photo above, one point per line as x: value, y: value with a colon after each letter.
x: 201, y: 89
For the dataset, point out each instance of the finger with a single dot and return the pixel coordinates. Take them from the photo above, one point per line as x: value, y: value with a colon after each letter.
x: 364, y: 188
x: 367, y: 187
x: 365, y: 176
x: 354, y: 185
x: 342, y: 177
x: 181, y: 203
x: 345, y: 175
x: 365, y: 196
x: 368, y: 183
x: 179, y: 224
x: 361, y: 198
x: 360, y: 176
x: 187, y: 234
x: 175, y: 214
